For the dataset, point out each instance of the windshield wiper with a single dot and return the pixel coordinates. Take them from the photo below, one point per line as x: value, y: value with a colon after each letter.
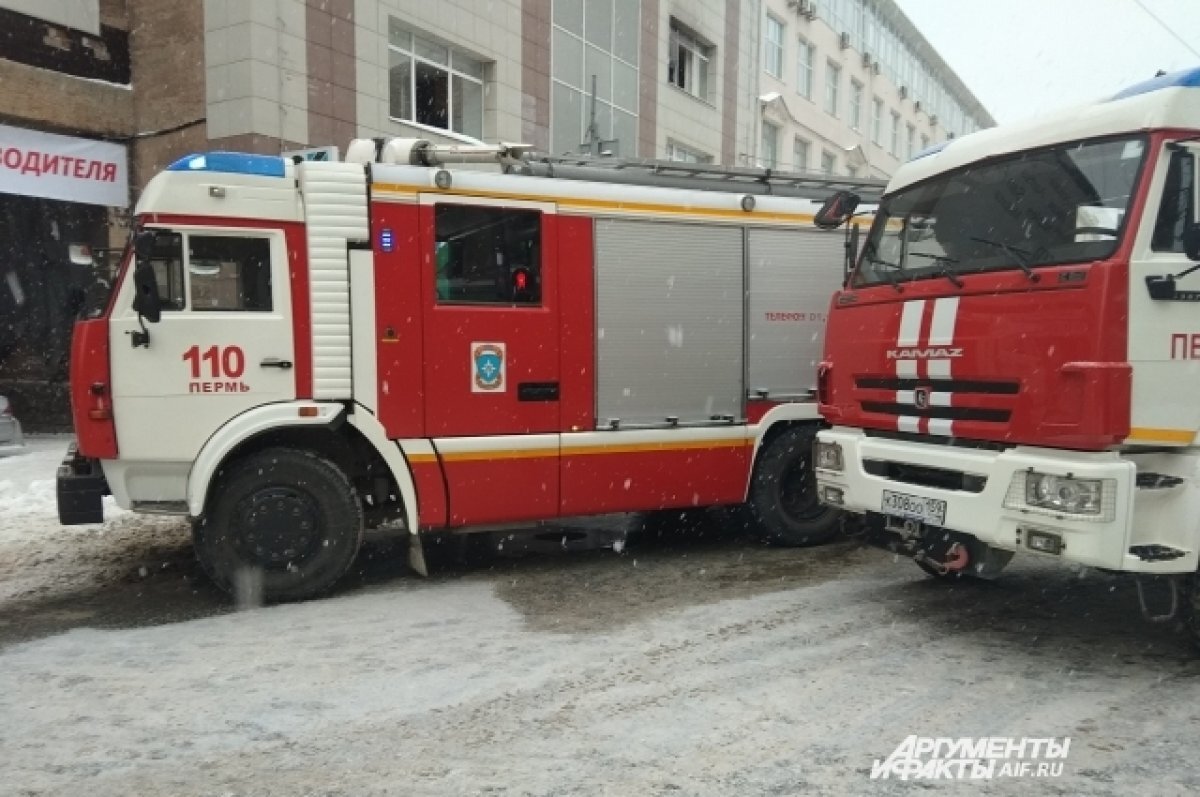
x: 942, y: 270
x: 1023, y: 258
x: 887, y: 275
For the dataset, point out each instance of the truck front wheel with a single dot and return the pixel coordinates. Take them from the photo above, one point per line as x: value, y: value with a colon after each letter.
x: 783, y: 493
x: 285, y: 519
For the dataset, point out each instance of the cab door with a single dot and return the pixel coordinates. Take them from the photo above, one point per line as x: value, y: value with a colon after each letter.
x: 491, y: 351
x: 224, y: 345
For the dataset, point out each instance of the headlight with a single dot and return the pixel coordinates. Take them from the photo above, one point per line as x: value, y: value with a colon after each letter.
x: 828, y: 456
x: 1091, y: 497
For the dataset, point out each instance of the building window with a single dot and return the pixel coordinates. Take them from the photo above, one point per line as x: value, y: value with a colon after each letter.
x: 432, y: 84
x: 688, y: 60
x: 487, y: 255
x: 833, y: 85
x: 851, y: 170
x: 800, y: 149
x: 773, y: 47
x: 924, y: 142
x: 828, y: 162
x: 599, y: 41
x: 804, y: 69
x: 856, y: 99
x: 910, y: 139
x: 678, y: 152
x: 877, y: 121
x: 895, y: 147
x: 769, y: 156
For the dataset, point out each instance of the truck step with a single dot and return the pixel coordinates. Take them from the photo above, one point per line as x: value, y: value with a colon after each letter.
x: 1157, y: 481
x: 1156, y: 553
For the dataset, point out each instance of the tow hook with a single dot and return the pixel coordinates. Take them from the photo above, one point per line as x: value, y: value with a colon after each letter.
x: 957, y: 558
x: 1173, y: 589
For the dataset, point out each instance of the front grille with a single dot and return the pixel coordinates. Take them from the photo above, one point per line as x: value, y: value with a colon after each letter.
x: 924, y: 476
x: 947, y: 413
x: 926, y: 439
x: 940, y: 385
x: 979, y: 400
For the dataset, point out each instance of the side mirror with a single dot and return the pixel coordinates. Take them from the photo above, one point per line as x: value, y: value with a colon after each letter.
x: 145, y: 284
x: 143, y: 244
x: 145, y: 299
x: 836, y: 210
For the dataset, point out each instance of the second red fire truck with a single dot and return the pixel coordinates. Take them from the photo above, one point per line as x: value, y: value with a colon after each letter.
x: 1011, y: 367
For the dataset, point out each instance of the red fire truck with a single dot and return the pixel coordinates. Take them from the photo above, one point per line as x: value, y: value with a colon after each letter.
x: 1009, y: 368
x: 297, y: 350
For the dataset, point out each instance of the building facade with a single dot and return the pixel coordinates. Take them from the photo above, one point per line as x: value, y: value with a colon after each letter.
x: 851, y: 87
x: 98, y: 95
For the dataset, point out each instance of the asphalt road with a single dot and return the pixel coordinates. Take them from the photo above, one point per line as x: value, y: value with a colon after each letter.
x: 691, y: 661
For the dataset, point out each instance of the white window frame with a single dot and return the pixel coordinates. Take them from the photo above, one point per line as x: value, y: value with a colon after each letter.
x: 451, y: 73
x: 801, y: 164
x: 773, y: 161
x: 682, y: 153
x: 773, y: 47
x: 833, y: 85
x: 856, y: 99
x: 828, y: 162
x: 804, y: 68
x: 698, y: 55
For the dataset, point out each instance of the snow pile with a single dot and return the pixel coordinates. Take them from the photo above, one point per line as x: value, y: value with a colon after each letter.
x: 28, y: 507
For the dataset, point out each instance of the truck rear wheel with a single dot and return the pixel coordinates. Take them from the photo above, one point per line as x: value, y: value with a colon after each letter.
x: 783, y: 493
x: 288, y: 519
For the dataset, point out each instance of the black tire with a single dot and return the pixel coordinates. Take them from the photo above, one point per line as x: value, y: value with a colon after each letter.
x: 287, y: 520
x: 783, y: 493
x: 1189, y: 609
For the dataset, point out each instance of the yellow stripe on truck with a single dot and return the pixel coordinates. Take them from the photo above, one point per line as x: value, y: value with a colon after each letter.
x: 578, y: 450
x: 567, y: 204
x: 1148, y: 435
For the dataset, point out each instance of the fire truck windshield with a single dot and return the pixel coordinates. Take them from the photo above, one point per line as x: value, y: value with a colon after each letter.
x: 1061, y: 204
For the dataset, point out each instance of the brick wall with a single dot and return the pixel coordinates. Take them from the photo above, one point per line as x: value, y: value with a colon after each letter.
x: 166, y: 49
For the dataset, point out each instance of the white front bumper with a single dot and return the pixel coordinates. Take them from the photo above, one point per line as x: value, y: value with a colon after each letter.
x: 1095, y: 542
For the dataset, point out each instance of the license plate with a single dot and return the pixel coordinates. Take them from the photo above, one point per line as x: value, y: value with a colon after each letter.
x: 926, y: 510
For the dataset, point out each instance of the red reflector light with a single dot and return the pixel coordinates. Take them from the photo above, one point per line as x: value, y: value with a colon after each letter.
x: 101, y: 414
x: 308, y: 412
x: 823, y: 383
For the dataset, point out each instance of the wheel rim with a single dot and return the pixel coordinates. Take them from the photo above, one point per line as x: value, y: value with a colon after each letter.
x: 797, y: 492
x: 277, y: 527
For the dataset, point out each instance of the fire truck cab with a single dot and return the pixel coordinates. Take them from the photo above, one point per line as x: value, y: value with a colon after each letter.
x: 297, y: 350
x: 1012, y: 365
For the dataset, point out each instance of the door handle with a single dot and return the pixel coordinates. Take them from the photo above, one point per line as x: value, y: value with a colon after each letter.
x: 537, y: 391
x: 275, y: 362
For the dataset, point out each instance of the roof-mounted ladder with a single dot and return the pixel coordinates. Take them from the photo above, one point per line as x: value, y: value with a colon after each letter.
x: 520, y: 159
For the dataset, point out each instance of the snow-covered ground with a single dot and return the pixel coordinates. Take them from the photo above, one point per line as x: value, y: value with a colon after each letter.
x: 27, y: 487
x: 714, y: 667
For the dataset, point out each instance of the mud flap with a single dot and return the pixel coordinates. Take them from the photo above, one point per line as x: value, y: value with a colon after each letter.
x: 416, y: 555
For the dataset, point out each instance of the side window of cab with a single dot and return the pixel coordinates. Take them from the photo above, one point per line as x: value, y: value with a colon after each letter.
x: 204, y: 272
x: 1175, y: 207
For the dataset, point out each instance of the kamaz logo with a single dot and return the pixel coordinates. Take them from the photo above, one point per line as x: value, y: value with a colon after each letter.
x: 913, y: 353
